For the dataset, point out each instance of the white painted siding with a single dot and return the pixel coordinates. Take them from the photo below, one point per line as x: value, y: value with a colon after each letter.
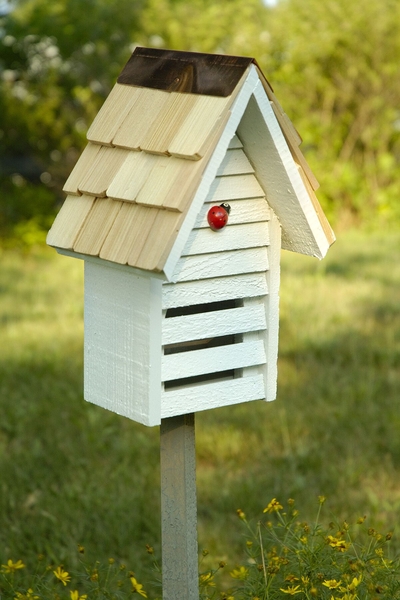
x: 216, y: 267
x: 122, y: 342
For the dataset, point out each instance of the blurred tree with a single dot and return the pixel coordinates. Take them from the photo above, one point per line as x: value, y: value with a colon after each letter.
x: 334, y: 66
x: 58, y: 61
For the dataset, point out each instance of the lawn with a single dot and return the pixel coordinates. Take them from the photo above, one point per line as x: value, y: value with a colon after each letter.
x: 73, y: 473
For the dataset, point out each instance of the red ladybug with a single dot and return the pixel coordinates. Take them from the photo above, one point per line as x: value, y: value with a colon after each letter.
x: 217, y: 216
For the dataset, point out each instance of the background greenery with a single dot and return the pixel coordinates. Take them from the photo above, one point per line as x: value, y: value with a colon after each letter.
x: 334, y: 67
x: 72, y: 473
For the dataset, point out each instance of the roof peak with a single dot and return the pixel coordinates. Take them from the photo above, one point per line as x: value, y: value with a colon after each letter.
x: 186, y: 72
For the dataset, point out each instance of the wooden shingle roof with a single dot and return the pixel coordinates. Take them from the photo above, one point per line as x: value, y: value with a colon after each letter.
x: 147, y: 151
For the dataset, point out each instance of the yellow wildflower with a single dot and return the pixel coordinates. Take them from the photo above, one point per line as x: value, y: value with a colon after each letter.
x: 75, y: 595
x: 332, y: 584
x: 137, y: 587
x: 62, y: 575
x: 240, y: 573
x: 207, y: 578
x: 11, y: 566
x: 292, y: 590
x: 334, y: 542
x: 273, y: 506
x: 240, y: 513
x: 28, y: 596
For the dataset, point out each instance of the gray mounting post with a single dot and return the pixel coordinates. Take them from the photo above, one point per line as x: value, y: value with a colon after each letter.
x: 180, y: 575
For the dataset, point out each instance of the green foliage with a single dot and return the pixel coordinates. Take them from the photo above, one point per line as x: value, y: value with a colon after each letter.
x: 334, y: 68
x: 284, y: 556
x: 73, y: 473
x: 287, y: 556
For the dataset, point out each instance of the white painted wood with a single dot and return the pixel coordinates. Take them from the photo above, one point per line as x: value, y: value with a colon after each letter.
x: 123, y: 342
x: 222, y: 264
x: 250, y: 210
x: 272, y: 300
x: 211, y: 395
x: 234, y: 187
x: 213, y: 324
x: 212, y: 360
x: 232, y: 237
x: 217, y: 157
x: 277, y: 172
x: 235, y: 143
x: 235, y: 163
x: 214, y: 290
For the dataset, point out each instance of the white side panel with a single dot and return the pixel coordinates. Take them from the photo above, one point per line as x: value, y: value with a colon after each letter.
x: 272, y: 337
x: 213, y: 324
x: 211, y: 395
x: 214, y: 290
x: 123, y: 342
x: 277, y: 172
x: 212, y: 360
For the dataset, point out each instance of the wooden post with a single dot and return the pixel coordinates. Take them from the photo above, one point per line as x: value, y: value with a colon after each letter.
x: 180, y: 576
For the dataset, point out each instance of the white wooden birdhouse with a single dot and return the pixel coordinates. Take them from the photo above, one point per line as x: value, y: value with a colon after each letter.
x: 181, y: 308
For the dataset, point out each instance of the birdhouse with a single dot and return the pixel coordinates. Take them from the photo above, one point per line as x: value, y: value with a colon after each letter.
x: 191, y: 183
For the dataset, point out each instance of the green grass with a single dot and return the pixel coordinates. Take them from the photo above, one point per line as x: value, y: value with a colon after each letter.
x: 73, y: 473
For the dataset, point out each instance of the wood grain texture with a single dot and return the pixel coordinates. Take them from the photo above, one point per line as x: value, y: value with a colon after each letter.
x: 168, y: 122
x: 285, y: 191
x: 112, y: 114
x: 214, y: 290
x: 69, y: 221
x: 212, y: 360
x: 158, y: 241
x: 198, y: 127
x: 234, y: 187
x: 212, y: 395
x: 235, y: 163
x: 235, y: 143
x: 131, y: 176
x: 248, y: 210
x: 102, y: 170
x: 140, y: 118
x: 272, y: 303
x: 180, y: 577
x: 221, y: 264
x: 96, y: 226
x: 232, y: 237
x: 83, y: 164
x: 321, y: 215
x: 122, y: 342
x: 211, y: 324
x: 128, y: 233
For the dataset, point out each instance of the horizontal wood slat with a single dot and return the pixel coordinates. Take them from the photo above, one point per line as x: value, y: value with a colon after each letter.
x: 235, y: 143
x: 214, y: 290
x: 221, y: 264
x: 234, y: 187
x: 212, y: 360
x: 249, y: 210
x: 235, y: 163
x: 232, y: 237
x: 213, y: 324
x: 212, y: 395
